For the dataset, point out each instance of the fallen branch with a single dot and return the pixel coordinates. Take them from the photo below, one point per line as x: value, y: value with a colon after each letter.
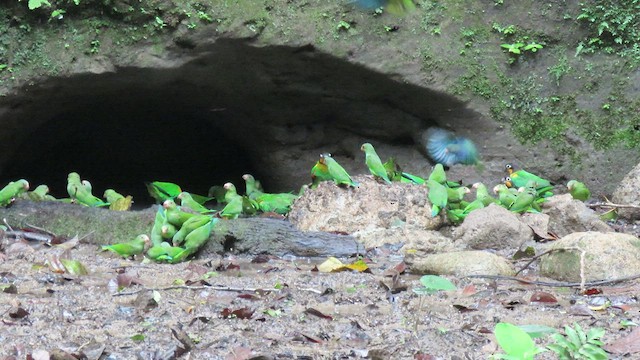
x: 216, y: 288
x: 187, y: 287
x: 609, y: 204
x: 556, y: 284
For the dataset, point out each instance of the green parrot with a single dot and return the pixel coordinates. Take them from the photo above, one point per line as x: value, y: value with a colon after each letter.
x: 117, y: 201
x: 187, y: 201
x: 163, y: 251
x: 188, y: 226
x: 578, y: 190
x: 393, y: 170
x: 249, y: 206
x: 413, y: 179
x: 168, y: 231
x: 156, y: 230
x: 524, y: 200
x: 134, y: 247
x: 279, y: 203
x: 319, y: 173
x: 13, y: 189
x: 482, y: 194
x: 195, y: 240
x: 217, y: 192
x: 162, y: 190
x: 40, y: 193
x: 437, y: 195
x: 79, y: 192
x: 456, y: 216
x: 251, y: 190
x: 456, y: 195
x: 233, y: 209
x: 230, y: 192
x: 174, y: 215
x: 505, y: 196
x: 438, y: 174
x: 520, y: 178
x: 374, y: 163
x: 338, y: 174
x: 112, y: 196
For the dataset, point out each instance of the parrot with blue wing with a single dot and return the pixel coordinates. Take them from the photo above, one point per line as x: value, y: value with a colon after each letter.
x: 448, y: 149
x: 395, y: 7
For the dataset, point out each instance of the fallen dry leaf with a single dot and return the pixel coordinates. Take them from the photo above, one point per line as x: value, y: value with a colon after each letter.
x: 629, y: 344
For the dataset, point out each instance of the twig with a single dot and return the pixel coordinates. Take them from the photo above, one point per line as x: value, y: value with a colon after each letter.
x: 581, y: 284
x: 612, y: 205
x: 4, y: 220
x: 186, y: 287
x: 542, y: 254
x: 40, y: 229
x: 315, y: 291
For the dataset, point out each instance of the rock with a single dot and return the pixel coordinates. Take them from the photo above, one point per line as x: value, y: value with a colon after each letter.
x: 628, y: 192
x: 567, y: 215
x: 607, y: 256
x: 419, y: 243
x: 461, y: 263
x: 493, y: 227
x: 370, y: 206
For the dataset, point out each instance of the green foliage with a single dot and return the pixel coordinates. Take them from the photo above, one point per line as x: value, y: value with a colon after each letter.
x: 579, y: 345
x: 516, y: 49
x: 560, y: 69
x: 516, y: 343
x: 614, y: 27
x: 35, y: 4
x: 431, y: 284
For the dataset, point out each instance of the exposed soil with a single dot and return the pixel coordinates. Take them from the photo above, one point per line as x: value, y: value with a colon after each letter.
x: 87, y: 315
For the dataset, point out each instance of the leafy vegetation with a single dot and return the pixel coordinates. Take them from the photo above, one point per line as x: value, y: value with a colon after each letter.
x: 579, y: 345
x: 518, y: 344
x: 614, y: 28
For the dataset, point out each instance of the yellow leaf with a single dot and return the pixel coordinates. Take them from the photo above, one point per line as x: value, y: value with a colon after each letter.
x: 330, y: 265
x: 74, y: 267
x: 122, y: 204
x: 359, y: 265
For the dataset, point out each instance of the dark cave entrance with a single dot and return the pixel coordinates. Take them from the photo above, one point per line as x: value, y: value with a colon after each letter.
x: 127, y: 143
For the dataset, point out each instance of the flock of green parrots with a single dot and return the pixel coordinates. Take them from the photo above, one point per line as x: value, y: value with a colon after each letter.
x: 180, y: 231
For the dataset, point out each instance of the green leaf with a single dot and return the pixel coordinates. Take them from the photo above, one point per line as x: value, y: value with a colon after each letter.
x: 513, y: 340
x: 156, y: 296
x: 34, y: 4
x: 573, y: 336
x: 593, y: 352
x: 434, y: 282
x: 595, y: 333
x: 537, y: 331
x: 137, y: 337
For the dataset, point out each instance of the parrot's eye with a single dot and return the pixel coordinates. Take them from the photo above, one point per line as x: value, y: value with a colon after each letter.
x: 507, y: 179
x: 508, y: 166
